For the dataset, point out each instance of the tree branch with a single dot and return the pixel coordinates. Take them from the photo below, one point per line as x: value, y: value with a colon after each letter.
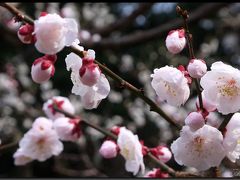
x: 123, y: 22
x: 154, y: 33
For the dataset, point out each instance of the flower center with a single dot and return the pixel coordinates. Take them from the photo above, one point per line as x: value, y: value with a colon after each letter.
x: 169, y: 88
x: 198, y: 144
x: 229, y: 89
x: 126, y: 153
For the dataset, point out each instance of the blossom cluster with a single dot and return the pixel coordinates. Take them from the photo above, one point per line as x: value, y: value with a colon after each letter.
x: 201, y: 145
x: 51, y: 33
x: 44, y: 138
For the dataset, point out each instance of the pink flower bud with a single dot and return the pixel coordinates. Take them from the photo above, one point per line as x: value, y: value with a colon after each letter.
x: 194, y: 120
x: 108, y: 149
x: 89, y: 72
x: 162, y: 153
x: 156, y: 173
x: 25, y: 34
x: 208, y: 106
x: 43, y: 69
x: 197, y: 68
x: 176, y: 41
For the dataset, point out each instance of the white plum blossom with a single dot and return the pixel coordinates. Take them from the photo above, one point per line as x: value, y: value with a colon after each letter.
x: 109, y: 149
x: 40, y: 142
x: 43, y: 68
x: 20, y: 158
x: 207, y: 105
x: 131, y: 150
x: 200, y: 149
x: 197, y: 68
x: 232, y: 138
x: 176, y: 41
x: 67, y: 129
x: 221, y: 86
x: 170, y: 85
x: 195, y: 120
x: 98, y: 87
x: 62, y: 103
x: 53, y: 33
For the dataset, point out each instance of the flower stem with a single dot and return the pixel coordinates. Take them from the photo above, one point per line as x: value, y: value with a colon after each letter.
x: 138, y: 92
x: 185, y: 16
x: 225, y: 122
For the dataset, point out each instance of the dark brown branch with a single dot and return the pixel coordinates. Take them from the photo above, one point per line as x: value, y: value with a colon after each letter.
x: 154, y: 33
x: 124, y: 22
x: 225, y: 122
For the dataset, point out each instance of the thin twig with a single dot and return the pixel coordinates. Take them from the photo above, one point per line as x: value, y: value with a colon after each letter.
x: 140, y: 37
x: 138, y: 92
x: 225, y: 122
x: 185, y: 16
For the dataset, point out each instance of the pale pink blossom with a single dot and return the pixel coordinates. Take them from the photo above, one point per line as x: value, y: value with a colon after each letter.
x: 232, y: 138
x: 108, y: 149
x: 195, y: 120
x: 176, y: 41
x: 91, y: 96
x: 131, y: 150
x: 53, y: 33
x: 170, y: 85
x: 41, y: 141
x: 197, y: 68
x: 67, y: 129
x: 62, y: 103
x: 43, y: 68
x: 221, y: 86
x: 200, y: 149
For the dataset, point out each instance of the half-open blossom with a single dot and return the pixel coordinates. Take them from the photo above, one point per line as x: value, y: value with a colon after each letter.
x: 25, y: 34
x: 67, y: 129
x: 60, y: 102
x: 162, y: 153
x: 54, y: 32
x: 43, y: 68
x: 156, y: 173
x: 91, y: 96
x: 131, y: 150
x: 109, y: 149
x: 197, y: 68
x: 170, y: 85
x: 195, y: 120
x: 89, y: 72
x: 200, y: 149
x: 232, y: 138
x: 222, y: 87
x: 176, y: 41
x: 41, y: 141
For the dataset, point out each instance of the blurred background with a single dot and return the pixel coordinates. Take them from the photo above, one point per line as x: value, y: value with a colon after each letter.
x: 130, y: 39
